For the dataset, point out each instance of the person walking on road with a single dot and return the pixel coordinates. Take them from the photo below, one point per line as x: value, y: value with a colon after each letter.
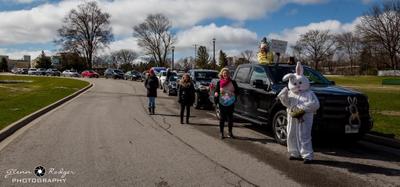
x: 151, y: 83
x: 225, y: 94
x: 185, y: 96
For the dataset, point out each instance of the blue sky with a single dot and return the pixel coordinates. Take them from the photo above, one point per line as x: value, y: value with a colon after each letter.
x: 29, y: 26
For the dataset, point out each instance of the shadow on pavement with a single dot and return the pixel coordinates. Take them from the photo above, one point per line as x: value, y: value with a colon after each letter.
x: 260, y: 140
x: 358, y: 168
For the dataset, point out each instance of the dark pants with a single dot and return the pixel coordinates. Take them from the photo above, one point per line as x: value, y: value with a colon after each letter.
x: 226, y: 114
x: 183, y: 106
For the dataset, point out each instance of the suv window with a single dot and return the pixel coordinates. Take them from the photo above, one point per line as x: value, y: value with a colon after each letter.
x: 259, y: 74
x: 242, y: 74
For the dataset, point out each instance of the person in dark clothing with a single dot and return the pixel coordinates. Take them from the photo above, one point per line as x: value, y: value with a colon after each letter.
x: 185, y: 96
x: 151, y: 83
x: 225, y: 94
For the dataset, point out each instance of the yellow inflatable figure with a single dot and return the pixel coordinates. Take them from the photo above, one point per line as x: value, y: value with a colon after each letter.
x: 264, y: 56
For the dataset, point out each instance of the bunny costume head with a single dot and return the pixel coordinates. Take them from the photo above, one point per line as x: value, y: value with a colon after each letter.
x: 297, y: 81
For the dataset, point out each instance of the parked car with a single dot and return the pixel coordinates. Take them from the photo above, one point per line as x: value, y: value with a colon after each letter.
x: 342, y: 111
x: 53, y: 72
x: 23, y: 71
x: 201, y: 79
x: 90, y: 74
x: 159, y: 69
x: 70, y: 73
x: 41, y: 71
x: 15, y: 70
x: 133, y: 76
x: 171, y: 86
x: 113, y: 73
x: 32, y: 71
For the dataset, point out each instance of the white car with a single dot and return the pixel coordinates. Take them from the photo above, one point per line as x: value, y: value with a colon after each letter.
x: 32, y: 71
x: 70, y: 73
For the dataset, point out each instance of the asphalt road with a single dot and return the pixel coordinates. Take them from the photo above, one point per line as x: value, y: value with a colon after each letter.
x: 105, y: 137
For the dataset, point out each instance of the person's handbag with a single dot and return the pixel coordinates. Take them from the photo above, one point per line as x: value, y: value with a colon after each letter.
x: 227, y: 99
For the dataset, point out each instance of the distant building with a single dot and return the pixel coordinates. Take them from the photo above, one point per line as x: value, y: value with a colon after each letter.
x: 17, y: 63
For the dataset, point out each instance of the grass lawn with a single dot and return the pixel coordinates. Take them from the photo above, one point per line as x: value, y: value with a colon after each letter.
x: 18, y: 99
x: 384, y: 100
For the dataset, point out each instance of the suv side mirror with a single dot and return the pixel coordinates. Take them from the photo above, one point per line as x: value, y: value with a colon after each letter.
x: 332, y: 82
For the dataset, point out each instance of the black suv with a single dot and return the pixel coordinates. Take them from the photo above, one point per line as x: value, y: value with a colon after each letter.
x: 342, y: 111
x: 201, y: 79
x: 113, y: 73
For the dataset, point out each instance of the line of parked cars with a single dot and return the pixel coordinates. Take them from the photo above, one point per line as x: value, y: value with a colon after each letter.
x: 344, y: 113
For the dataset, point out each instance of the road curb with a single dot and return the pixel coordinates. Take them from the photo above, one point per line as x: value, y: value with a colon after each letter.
x: 389, y: 142
x: 10, y: 129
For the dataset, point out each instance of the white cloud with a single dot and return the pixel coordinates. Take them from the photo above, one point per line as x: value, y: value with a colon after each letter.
x: 126, y: 43
x: 293, y: 34
x: 39, y: 24
x: 227, y: 38
x: 19, y: 54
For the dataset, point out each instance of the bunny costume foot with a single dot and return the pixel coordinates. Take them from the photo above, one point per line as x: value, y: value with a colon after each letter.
x: 301, y: 104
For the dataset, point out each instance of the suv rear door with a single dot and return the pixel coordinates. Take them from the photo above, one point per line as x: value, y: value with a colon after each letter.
x: 243, y: 104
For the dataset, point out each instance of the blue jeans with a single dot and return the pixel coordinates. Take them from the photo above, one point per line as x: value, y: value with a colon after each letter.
x: 152, y: 102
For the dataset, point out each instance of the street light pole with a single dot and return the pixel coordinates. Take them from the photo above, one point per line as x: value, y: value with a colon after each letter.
x: 172, y: 62
x: 195, y: 53
x: 213, y: 53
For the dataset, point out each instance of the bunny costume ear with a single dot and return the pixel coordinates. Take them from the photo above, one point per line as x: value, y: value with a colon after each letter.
x: 287, y: 77
x: 299, y: 69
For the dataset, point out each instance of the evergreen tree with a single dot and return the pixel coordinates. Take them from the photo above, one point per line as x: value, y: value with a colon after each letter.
x: 223, y: 60
x: 43, y: 61
x: 202, y: 58
x: 4, y: 65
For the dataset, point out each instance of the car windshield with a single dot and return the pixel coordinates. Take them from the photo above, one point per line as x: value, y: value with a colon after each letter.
x: 314, y: 76
x: 205, y: 75
x: 118, y: 71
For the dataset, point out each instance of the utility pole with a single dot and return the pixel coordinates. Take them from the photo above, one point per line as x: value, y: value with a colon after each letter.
x: 195, y: 53
x: 172, y: 62
x: 214, y: 53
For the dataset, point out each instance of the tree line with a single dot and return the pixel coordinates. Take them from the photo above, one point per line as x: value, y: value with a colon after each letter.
x: 372, y: 46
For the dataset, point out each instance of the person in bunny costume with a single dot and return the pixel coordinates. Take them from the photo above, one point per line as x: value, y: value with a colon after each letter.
x: 301, y: 104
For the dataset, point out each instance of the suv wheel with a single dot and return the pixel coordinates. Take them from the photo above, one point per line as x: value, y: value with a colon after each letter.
x: 196, y: 101
x: 279, y: 127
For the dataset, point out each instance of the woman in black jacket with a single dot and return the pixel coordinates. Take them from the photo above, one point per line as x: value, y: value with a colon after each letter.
x: 151, y: 83
x: 185, y: 96
x: 225, y: 94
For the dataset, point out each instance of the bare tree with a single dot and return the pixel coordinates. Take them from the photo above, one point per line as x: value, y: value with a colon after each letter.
x: 350, y: 45
x: 248, y: 55
x: 154, y: 37
x: 381, y: 26
x: 124, y: 56
x: 317, y: 46
x: 297, y: 51
x: 85, y: 30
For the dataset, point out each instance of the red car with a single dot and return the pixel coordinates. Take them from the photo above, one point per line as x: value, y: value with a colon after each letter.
x: 90, y: 74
